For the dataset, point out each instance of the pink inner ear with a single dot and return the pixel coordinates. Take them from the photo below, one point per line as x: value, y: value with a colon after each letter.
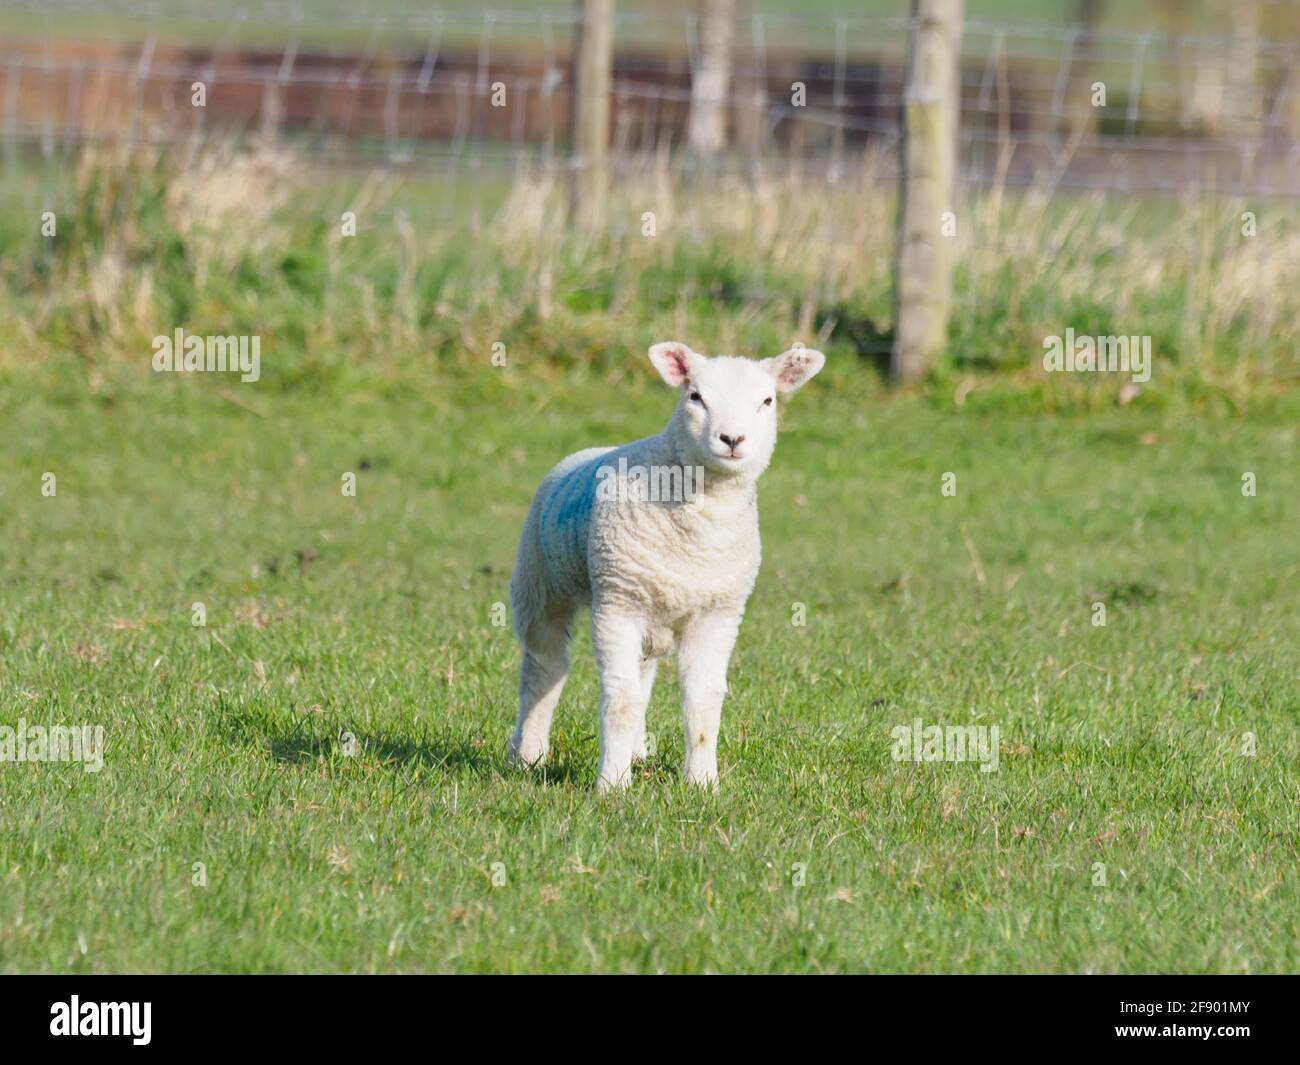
x: 677, y: 358
x: 792, y: 370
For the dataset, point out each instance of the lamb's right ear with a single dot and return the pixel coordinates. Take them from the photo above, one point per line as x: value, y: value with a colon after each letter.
x: 673, y: 360
x: 794, y: 368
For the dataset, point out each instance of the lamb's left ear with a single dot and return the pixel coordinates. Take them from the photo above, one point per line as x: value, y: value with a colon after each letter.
x: 793, y: 369
x: 674, y: 361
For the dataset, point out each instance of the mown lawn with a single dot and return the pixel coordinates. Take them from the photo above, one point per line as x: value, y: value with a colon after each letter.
x: 330, y: 746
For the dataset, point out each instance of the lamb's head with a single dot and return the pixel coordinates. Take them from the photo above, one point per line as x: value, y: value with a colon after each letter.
x: 726, y: 413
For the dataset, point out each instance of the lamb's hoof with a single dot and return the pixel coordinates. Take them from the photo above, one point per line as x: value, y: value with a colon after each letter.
x: 707, y: 779
x: 525, y: 755
x: 605, y: 785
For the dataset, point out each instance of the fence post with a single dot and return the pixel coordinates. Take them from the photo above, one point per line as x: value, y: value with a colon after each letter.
x: 593, y: 54
x: 1083, y: 117
x: 711, y: 78
x: 923, y: 263
x: 1243, y: 89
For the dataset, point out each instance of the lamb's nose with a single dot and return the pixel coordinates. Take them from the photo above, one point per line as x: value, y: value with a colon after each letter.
x: 732, y: 442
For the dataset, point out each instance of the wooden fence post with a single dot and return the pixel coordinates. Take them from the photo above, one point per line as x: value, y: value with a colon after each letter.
x: 593, y: 62
x: 923, y: 263
x: 711, y: 78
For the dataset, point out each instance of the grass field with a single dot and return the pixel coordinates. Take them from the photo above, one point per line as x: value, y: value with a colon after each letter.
x: 372, y: 616
x: 314, y: 779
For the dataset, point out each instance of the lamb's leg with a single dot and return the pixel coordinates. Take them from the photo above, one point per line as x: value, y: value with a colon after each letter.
x: 616, y: 641
x: 542, y: 673
x: 648, y: 668
x: 702, y: 667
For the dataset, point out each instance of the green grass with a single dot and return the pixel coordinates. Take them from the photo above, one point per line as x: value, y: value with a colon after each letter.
x: 330, y: 746
x: 372, y: 616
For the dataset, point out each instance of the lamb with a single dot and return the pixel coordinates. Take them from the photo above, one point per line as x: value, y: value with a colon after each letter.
x: 655, y: 572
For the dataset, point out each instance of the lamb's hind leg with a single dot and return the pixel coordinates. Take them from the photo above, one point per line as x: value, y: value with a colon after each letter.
x: 542, y: 673
x: 648, y: 668
x: 656, y: 642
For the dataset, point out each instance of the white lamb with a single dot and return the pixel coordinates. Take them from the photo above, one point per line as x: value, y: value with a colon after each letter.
x: 655, y: 571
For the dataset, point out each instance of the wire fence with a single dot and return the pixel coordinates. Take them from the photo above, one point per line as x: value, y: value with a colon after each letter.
x: 1042, y: 104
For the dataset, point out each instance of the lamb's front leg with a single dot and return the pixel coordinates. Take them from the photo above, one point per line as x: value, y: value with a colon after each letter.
x: 616, y: 640
x: 702, y: 659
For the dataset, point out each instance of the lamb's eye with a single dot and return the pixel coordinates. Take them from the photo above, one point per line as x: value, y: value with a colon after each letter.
x: 696, y: 398
x: 767, y: 402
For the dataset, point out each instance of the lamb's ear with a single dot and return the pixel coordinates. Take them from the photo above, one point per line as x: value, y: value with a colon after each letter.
x: 793, y: 369
x: 673, y: 360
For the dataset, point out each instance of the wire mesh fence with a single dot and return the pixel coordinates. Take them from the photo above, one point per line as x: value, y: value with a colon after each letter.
x: 1049, y: 104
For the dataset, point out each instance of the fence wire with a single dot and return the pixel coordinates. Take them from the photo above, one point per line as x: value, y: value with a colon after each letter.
x: 1042, y: 104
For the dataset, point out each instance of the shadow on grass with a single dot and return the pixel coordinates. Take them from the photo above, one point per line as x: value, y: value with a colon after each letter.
x: 556, y: 773
x: 307, y: 738
x: 565, y: 770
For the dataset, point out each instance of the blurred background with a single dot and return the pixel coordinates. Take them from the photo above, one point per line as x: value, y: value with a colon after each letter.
x: 763, y: 137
